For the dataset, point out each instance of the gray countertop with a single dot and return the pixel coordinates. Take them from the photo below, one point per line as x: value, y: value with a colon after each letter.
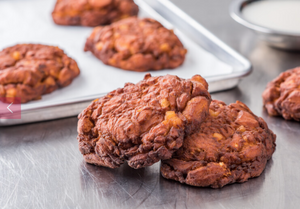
x: 41, y: 167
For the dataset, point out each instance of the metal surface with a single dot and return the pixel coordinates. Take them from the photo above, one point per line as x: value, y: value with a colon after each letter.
x: 47, y: 113
x: 167, y: 11
x: 65, y: 109
x: 41, y: 167
x: 275, y: 38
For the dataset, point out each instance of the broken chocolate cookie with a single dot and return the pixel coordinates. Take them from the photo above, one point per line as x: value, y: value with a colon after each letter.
x: 231, y: 145
x: 142, y: 123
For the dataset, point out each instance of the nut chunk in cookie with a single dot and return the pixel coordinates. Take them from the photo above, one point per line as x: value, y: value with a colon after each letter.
x: 137, y: 45
x: 282, y: 95
x: 31, y: 70
x: 142, y: 123
x: 231, y: 145
x: 92, y: 12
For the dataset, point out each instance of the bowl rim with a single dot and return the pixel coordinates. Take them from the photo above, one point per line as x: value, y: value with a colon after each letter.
x: 235, y: 10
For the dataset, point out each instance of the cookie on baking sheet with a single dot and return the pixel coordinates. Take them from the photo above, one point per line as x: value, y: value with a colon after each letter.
x: 31, y: 70
x: 282, y: 95
x: 137, y: 45
x: 231, y: 145
x: 142, y: 123
x: 92, y: 12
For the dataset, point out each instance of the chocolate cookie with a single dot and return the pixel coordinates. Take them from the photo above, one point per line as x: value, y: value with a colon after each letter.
x: 137, y: 45
x: 231, y: 145
x: 92, y: 12
x: 282, y: 95
x: 142, y: 123
x: 31, y: 70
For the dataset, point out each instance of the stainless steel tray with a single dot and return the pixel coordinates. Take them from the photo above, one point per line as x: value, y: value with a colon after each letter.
x: 167, y: 12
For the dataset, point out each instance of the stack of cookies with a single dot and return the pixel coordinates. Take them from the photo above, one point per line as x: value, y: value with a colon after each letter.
x: 200, y: 142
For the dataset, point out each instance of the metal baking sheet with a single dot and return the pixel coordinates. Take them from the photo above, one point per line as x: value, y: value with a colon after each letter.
x: 207, y: 55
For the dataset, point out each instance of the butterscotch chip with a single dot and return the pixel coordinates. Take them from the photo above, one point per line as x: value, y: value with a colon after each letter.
x: 137, y: 45
x: 282, y: 95
x: 92, y: 12
x: 142, y: 123
x: 231, y: 146
x: 31, y: 70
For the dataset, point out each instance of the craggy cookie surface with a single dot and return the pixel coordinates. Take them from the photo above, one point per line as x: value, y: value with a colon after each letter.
x: 137, y: 45
x: 31, y: 70
x: 231, y: 145
x: 142, y: 123
x: 92, y: 12
x: 282, y: 95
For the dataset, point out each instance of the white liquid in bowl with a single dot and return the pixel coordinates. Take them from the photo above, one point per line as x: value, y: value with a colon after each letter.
x: 282, y: 15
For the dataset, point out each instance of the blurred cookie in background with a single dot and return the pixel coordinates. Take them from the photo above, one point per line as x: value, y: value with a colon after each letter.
x: 282, y: 95
x: 31, y: 70
x: 92, y: 12
x: 137, y: 45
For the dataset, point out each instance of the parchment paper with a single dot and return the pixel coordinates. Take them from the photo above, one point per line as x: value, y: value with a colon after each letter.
x: 30, y: 21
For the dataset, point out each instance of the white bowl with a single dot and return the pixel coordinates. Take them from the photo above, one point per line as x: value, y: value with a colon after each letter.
x: 275, y: 38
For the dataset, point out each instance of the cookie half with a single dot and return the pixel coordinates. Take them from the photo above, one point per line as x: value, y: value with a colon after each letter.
x: 142, y: 123
x: 282, y: 95
x: 31, y: 70
x: 92, y: 12
x: 137, y: 45
x: 231, y: 145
